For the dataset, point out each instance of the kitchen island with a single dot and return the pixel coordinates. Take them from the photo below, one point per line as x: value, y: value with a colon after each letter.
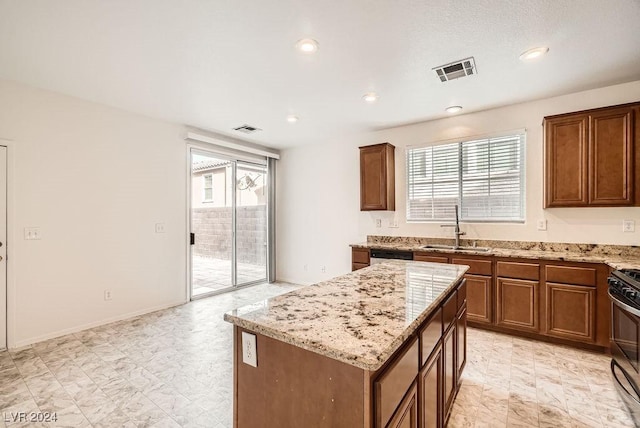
x: 382, y: 346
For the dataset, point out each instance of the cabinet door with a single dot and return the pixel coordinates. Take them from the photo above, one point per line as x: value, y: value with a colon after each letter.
x: 461, y: 342
x: 571, y: 311
x: 431, y: 403
x: 611, y: 157
x: 377, y: 182
x: 449, y: 367
x: 566, y: 161
x: 479, y: 298
x: 407, y: 414
x: 517, y: 304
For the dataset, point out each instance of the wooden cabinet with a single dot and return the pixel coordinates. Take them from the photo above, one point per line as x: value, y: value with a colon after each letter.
x: 449, y: 369
x: 407, y: 414
x: 377, y: 178
x: 589, y: 158
x: 479, y: 282
x: 359, y: 258
x: 431, y: 403
x: 566, y: 161
x: 571, y: 311
x: 461, y: 342
x: 426, y: 257
x: 517, y: 304
x: 393, y: 384
x: 479, y: 298
x: 611, y: 157
x: 571, y: 302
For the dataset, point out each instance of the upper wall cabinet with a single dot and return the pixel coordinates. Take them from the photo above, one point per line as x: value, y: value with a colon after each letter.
x: 377, y: 178
x: 589, y: 158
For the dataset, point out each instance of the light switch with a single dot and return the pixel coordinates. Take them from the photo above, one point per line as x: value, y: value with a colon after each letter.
x: 249, y: 351
x: 378, y: 222
x: 542, y: 224
x: 32, y: 233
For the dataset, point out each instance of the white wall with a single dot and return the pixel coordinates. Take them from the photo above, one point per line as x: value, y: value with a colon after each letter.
x: 95, y: 180
x: 318, y: 189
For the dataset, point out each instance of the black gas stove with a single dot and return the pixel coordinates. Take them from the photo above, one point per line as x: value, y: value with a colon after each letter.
x: 624, y: 284
x: 624, y: 291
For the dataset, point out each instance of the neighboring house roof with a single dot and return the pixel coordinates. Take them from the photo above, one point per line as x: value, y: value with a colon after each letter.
x: 208, y: 164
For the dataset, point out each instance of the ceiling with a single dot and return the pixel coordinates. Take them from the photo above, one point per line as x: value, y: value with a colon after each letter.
x: 220, y: 64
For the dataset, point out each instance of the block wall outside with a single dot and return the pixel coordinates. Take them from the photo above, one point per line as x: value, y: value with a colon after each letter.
x: 212, y: 227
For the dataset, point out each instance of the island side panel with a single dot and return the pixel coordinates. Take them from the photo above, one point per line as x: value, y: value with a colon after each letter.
x: 293, y: 387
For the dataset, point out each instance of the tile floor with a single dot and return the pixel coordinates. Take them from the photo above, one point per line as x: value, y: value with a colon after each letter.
x: 513, y: 382
x: 174, y: 368
x: 215, y: 274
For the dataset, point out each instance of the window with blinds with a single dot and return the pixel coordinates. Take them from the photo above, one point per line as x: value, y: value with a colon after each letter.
x: 485, y: 177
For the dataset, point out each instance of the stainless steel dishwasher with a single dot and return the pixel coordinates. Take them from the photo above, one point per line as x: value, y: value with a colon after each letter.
x: 380, y: 256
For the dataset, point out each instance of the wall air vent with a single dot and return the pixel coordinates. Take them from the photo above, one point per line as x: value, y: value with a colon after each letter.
x: 247, y: 129
x: 457, y: 69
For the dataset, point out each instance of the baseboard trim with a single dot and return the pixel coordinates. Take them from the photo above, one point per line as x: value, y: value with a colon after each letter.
x: 52, y: 335
x: 294, y: 282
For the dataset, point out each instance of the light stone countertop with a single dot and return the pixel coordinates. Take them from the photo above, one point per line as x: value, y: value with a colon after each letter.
x: 360, y: 318
x: 617, y: 257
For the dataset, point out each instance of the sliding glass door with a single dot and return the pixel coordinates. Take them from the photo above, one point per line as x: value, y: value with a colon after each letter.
x: 227, y: 223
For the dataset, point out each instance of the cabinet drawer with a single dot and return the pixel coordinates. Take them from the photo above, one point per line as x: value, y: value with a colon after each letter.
x: 356, y: 266
x: 518, y: 270
x: 571, y: 275
x: 427, y: 257
x: 449, y: 310
x: 360, y: 256
x: 430, y: 335
x: 393, y: 384
x: 476, y: 267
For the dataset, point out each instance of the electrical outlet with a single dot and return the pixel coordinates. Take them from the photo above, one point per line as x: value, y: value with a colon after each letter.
x: 249, y: 350
x: 323, y: 268
x: 628, y: 225
x: 32, y: 233
x: 393, y: 223
x: 159, y: 227
x: 107, y: 294
x: 306, y: 268
x: 542, y: 224
x: 378, y: 222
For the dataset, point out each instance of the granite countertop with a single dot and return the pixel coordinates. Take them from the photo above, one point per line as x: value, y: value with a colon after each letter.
x: 617, y: 257
x: 360, y: 318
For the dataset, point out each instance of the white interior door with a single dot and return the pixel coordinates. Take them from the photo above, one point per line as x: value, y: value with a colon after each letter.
x: 3, y: 247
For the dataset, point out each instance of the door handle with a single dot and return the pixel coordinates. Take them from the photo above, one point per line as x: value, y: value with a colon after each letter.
x: 192, y: 238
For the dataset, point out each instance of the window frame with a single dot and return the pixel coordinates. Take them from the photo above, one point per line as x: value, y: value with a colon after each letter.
x: 459, y: 142
x: 204, y: 188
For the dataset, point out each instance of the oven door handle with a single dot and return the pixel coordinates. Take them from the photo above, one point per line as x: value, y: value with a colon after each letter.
x: 619, y: 303
x: 613, y: 372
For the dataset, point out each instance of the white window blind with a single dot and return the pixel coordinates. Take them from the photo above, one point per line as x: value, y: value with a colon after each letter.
x: 485, y: 177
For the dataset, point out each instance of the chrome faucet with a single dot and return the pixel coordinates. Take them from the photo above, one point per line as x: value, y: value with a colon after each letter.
x: 456, y: 230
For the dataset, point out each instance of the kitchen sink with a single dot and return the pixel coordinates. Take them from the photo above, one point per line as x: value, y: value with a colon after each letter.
x: 451, y: 247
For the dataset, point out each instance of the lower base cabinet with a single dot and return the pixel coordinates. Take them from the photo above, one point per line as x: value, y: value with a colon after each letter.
x: 479, y: 298
x: 571, y: 311
x: 517, y: 304
x: 450, y: 380
x: 461, y: 341
x: 407, y: 414
x: 431, y: 403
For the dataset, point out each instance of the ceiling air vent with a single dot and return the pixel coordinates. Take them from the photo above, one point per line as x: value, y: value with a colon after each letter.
x: 457, y: 69
x: 247, y: 129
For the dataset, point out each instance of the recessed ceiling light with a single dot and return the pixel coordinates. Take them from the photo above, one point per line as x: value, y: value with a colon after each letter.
x: 533, y: 53
x: 370, y: 97
x: 453, y: 109
x: 292, y: 118
x: 307, y: 45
